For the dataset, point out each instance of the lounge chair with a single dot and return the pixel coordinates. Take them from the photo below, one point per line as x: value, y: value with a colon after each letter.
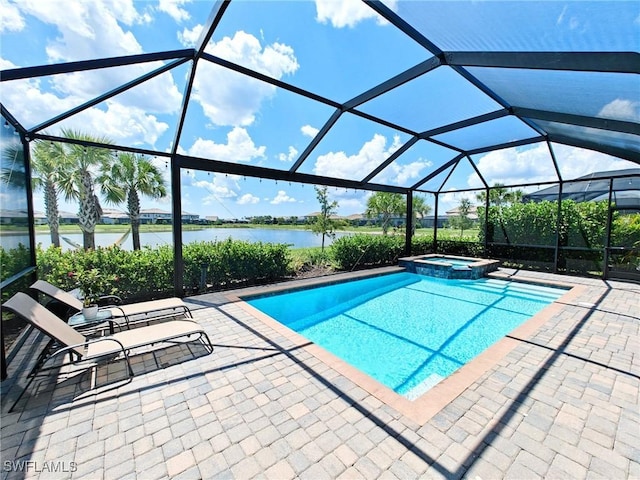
x: 64, y: 339
x: 144, y: 311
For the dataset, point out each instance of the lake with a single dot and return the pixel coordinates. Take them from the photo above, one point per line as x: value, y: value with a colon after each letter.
x: 294, y: 238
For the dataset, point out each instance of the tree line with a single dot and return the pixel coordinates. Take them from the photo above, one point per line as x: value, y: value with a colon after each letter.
x: 75, y: 171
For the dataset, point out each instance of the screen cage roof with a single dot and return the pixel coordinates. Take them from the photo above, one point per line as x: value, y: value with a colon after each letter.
x: 431, y: 87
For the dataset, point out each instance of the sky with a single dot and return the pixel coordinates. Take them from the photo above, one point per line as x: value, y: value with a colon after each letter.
x: 334, y: 49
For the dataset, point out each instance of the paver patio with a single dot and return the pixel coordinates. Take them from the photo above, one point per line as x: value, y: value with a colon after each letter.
x: 562, y: 403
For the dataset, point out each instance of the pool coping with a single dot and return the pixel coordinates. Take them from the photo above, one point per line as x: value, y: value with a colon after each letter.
x: 430, y: 403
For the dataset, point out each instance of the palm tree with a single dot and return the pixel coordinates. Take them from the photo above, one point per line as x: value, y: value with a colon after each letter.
x: 499, y: 194
x: 462, y: 221
x: 385, y: 205
x: 78, y: 182
x: 49, y: 163
x: 420, y: 207
x: 12, y: 173
x: 126, y: 179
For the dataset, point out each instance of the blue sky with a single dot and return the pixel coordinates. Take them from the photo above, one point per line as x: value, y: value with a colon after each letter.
x: 334, y: 49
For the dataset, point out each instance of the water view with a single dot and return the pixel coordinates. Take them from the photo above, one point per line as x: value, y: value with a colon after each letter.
x: 294, y: 238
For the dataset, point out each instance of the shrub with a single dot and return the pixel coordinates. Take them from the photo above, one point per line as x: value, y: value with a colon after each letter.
x: 235, y: 262
x: 363, y: 250
x: 421, y: 245
x: 13, y: 260
x: 149, y: 272
x: 459, y: 247
x: 625, y: 231
x: 583, y: 224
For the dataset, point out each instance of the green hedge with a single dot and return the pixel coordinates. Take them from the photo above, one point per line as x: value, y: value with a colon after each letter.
x: 626, y: 231
x: 13, y: 261
x: 235, y: 262
x: 365, y: 251
x: 583, y: 224
x: 459, y: 247
x: 148, y: 273
x: 421, y: 245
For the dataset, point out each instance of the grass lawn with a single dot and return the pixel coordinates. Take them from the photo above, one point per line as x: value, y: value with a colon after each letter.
x: 443, y: 233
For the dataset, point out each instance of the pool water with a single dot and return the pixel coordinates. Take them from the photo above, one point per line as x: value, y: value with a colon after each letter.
x: 455, y: 262
x: 406, y: 330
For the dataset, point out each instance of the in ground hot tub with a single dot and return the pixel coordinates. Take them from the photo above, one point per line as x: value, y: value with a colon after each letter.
x: 449, y: 266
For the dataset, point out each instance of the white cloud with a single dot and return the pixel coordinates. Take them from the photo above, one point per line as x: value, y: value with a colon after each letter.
x: 28, y: 100
x: 172, y: 8
x: 372, y: 154
x: 119, y: 123
x: 403, y: 174
x: 451, y: 199
x: 349, y: 201
x: 288, y: 157
x: 239, y: 148
x: 309, y: 131
x: 229, y: 98
x: 188, y: 38
x: 10, y: 18
x: 512, y: 167
x: 348, y: 13
x: 248, y: 199
x: 221, y: 186
x: 350, y: 206
x: 577, y: 162
x: 128, y: 125
x: 621, y: 109
x: 534, y: 165
x: 89, y: 30
x: 282, y: 197
x: 158, y: 95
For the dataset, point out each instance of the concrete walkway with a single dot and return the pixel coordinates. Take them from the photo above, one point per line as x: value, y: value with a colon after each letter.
x: 562, y: 403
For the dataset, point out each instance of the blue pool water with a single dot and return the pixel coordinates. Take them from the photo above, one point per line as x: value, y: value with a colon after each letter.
x: 408, y: 331
x: 456, y: 262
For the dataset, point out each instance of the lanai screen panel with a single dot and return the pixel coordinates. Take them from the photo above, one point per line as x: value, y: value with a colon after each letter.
x: 320, y: 49
x: 422, y: 158
x: 596, y: 94
x: 622, y: 140
x: 517, y: 26
x: 470, y: 75
x: 439, y: 97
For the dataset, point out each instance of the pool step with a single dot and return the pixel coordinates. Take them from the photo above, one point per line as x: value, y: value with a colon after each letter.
x: 423, y: 387
x: 525, y: 290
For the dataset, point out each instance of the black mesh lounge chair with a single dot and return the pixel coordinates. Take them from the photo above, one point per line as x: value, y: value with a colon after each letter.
x: 64, y: 339
x: 134, y: 312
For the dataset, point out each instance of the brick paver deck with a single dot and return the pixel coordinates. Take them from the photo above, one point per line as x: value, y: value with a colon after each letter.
x: 562, y: 403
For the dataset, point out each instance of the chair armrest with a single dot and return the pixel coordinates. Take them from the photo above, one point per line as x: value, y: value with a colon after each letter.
x: 71, y: 348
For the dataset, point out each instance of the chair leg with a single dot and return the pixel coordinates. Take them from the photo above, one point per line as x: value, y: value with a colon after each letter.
x: 41, y: 358
x: 208, y: 345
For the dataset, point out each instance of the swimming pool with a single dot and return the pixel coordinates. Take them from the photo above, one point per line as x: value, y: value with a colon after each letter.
x: 406, y: 330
